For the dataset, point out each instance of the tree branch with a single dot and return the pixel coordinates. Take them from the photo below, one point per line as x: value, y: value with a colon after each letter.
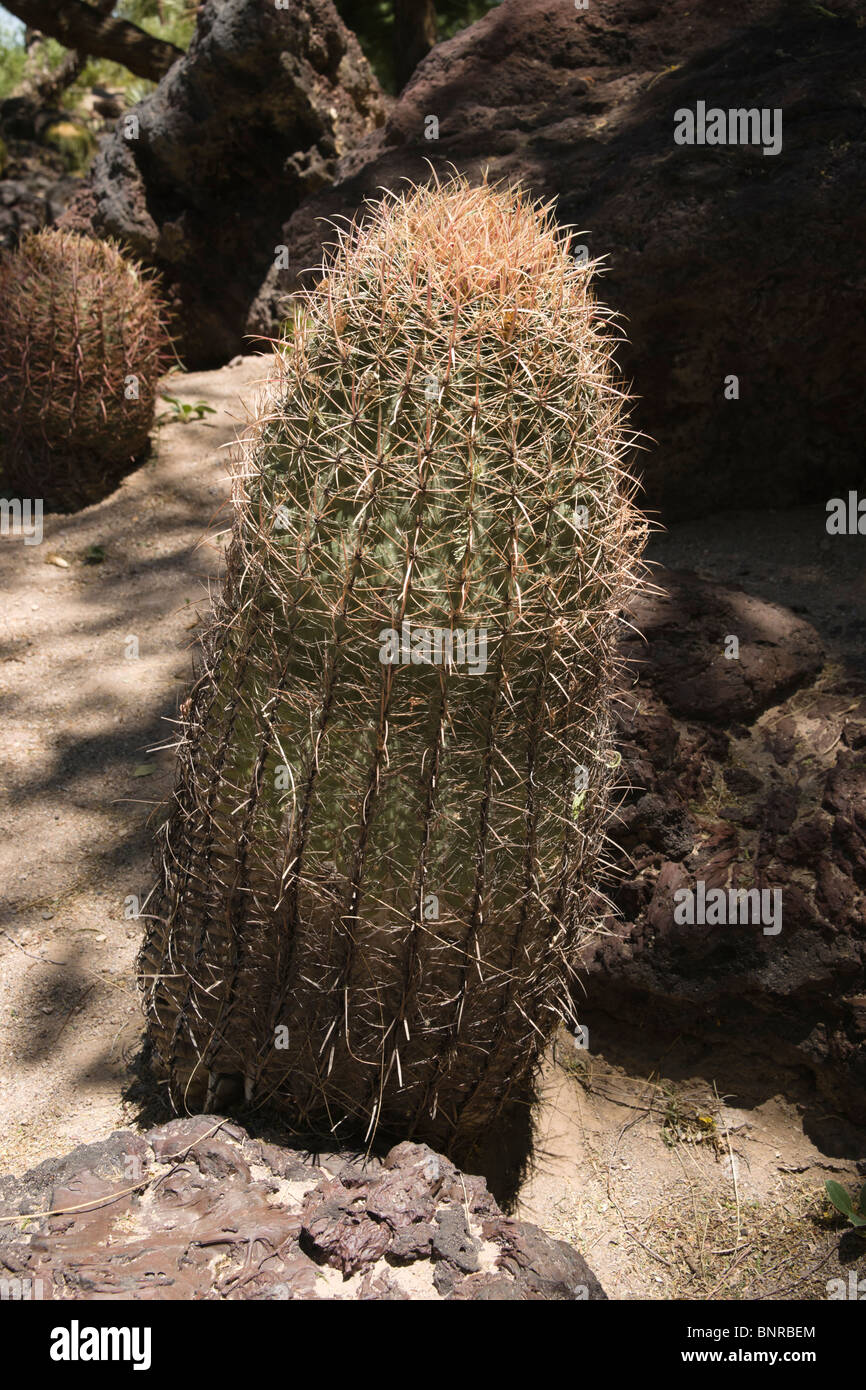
x: 80, y: 26
x: 41, y: 85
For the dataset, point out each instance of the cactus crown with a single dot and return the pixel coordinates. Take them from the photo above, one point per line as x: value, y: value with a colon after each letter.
x: 454, y: 355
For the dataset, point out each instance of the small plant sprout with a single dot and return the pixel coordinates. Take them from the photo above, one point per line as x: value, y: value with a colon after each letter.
x: 854, y: 1208
x: 182, y: 412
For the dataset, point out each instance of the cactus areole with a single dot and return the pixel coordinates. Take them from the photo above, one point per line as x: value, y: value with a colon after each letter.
x: 381, y: 857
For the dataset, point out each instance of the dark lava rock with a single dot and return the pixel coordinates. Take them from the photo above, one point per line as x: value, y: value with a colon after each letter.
x: 722, y: 260
x: 453, y: 1241
x: 34, y: 191
x: 196, y: 1209
x: 746, y: 773
x: 253, y: 118
x: 682, y: 637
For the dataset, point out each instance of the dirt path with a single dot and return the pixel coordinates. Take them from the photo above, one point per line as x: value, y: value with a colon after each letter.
x: 80, y: 713
x: 669, y: 1192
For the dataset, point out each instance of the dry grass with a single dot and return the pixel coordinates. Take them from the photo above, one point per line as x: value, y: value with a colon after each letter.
x: 669, y: 1194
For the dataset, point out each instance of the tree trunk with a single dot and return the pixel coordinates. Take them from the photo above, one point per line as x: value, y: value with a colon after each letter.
x: 414, y: 35
x: 81, y: 26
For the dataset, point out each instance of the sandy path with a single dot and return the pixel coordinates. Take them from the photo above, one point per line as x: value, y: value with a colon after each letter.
x: 79, y: 716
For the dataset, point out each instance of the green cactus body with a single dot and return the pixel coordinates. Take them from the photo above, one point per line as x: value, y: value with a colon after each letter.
x: 374, y: 879
x: 82, y: 347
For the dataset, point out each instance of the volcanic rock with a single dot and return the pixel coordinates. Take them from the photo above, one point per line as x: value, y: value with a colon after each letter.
x: 724, y: 261
x: 197, y: 1209
x: 199, y: 178
x: 739, y: 773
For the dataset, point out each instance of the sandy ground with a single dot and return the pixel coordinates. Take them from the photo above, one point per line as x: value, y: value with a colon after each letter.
x: 667, y: 1191
x: 670, y: 1193
x: 80, y: 716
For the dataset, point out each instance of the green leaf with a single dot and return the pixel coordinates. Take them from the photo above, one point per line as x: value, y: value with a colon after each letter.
x: 840, y: 1198
x: 143, y: 769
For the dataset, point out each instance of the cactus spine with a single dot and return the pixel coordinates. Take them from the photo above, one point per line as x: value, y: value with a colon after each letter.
x: 381, y: 854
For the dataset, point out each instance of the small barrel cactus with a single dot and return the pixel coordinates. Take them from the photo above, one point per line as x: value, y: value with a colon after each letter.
x: 382, y: 852
x: 82, y: 346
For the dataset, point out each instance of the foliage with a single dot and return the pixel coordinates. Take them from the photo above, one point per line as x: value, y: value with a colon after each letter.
x: 183, y: 412
x: 854, y: 1208
x: 13, y: 59
x: 73, y: 141
x: 172, y: 20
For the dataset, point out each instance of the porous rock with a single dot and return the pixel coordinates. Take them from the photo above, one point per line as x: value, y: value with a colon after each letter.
x: 723, y: 260
x: 253, y: 118
x: 739, y: 772
x: 197, y: 1209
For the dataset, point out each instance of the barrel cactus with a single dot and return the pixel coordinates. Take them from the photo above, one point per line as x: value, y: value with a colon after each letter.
x: 82, y: 346
x: 381, y: 856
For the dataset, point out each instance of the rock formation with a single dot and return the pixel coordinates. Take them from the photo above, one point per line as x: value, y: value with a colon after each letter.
x: 197, y: 1209
x: 723, y: 260
x: 250, y: 121
x: 742, y: 772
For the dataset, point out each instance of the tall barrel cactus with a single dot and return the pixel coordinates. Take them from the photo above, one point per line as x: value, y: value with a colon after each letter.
x: 82, y: 346
x: 393, y: 768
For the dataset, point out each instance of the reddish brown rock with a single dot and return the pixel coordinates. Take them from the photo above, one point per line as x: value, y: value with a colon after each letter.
x: 739, y: 775
x: 196, y: 1209
x: 723, y: 260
